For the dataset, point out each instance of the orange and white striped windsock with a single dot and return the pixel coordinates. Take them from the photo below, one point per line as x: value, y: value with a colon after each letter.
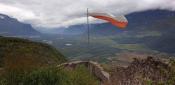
x: 118, y: 21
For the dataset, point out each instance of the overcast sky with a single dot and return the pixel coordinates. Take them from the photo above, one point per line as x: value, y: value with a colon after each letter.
x: 56, y: 13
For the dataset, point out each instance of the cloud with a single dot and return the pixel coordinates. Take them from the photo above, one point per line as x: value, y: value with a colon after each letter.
x: 17, y: 12
x: 56, y: 13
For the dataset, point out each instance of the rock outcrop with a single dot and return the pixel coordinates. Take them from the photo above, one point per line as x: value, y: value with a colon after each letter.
x: 141, y: 72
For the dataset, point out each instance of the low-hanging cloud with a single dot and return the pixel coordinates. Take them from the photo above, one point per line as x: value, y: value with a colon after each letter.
x: 57, y: 13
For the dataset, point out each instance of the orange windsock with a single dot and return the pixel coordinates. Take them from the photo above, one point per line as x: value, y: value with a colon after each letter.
x: 118, y: 21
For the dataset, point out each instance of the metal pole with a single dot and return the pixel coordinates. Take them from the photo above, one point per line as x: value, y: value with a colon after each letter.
x: 88, y: 26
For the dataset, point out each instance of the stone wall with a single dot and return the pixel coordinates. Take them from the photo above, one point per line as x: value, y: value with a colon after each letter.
x: 93, y: 67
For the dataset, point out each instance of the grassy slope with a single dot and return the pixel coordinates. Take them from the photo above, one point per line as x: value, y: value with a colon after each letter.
x: 21, y: 52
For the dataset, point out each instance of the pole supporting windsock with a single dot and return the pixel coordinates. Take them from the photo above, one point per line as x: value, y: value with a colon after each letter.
x: 88, y: 26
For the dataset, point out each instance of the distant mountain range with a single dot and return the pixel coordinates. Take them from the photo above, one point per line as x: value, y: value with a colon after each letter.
x: 137, y: 21
x: 11, y: 26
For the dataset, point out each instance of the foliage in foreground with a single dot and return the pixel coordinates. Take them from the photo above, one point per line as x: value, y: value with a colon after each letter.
x: 49, y: 76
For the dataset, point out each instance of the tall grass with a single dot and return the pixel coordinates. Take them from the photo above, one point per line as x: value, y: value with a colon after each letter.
x: 49, y: 76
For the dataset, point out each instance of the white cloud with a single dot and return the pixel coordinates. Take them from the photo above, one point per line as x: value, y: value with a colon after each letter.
x: 21, y: 14
x: 56, y: 13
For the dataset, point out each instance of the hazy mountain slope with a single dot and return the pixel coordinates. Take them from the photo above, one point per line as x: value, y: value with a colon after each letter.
x: 11, y: 26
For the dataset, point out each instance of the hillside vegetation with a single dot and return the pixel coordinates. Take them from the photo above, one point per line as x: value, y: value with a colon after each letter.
x: 24, y: 62
x: 16, y: 52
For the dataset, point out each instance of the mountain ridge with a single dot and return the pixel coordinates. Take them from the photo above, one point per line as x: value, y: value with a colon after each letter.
x: 11, y: 26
